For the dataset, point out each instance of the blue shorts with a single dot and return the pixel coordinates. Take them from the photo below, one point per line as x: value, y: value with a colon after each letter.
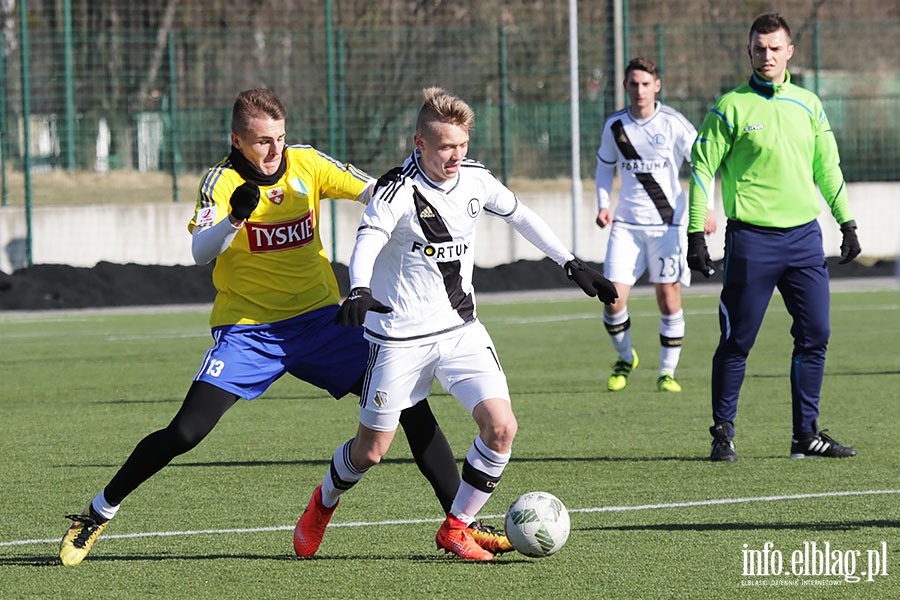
x: 247, y: 359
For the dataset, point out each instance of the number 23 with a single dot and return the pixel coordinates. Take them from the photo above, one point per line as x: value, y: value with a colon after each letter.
x: 668, y: 266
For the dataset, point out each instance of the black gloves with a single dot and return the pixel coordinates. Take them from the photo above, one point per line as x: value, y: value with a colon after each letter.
x: 360, y: 301
x: 850, y: 247
x: 698, y: 255
x: 590, y: 281
x: 244, y: 199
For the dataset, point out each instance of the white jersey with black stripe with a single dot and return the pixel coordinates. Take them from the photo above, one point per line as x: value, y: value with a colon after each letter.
x: 415, y: 249
x: 649, y: 153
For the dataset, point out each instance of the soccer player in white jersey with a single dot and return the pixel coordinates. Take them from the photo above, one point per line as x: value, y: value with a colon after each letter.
x: 411, y: 284
x: 649, y: 142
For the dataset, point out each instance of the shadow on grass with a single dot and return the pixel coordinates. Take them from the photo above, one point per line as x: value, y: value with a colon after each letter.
x: 300, y: 396
x: 816, y: 526
x: 44, y: 561
x: 53, y: 561
x: 406, y: 461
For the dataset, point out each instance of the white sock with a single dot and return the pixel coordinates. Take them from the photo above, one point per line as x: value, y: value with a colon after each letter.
x: 671, y: 335
x: 347, y: 475
x: 102, y: 507
x: 486, y: 464
x: 618, y: 326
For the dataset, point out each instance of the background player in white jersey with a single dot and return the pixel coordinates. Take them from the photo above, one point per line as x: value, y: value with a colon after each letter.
x: 412, y: 268
x: 649, y: 142
x: 258, y: 215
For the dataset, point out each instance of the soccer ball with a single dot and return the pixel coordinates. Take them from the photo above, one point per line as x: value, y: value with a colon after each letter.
x: 537, y: 524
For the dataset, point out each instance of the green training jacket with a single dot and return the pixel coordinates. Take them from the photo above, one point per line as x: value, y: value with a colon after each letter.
x: 773, y: 145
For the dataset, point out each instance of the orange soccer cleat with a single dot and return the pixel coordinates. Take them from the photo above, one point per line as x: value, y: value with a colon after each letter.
x: 310, y: 528
x: 455, y: 536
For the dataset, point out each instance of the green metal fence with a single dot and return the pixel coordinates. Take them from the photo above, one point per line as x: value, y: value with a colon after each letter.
x: 155, y: 96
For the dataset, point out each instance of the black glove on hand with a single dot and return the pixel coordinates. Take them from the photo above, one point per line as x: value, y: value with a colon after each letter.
x: 850, y: 247
x: 698, y: 255
x: 244, y: 199
x: 360, y: 301
x: 392, y: 176
x: 590, y: 281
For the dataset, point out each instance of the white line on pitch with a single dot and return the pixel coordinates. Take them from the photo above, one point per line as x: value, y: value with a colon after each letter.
x: 415, y: 521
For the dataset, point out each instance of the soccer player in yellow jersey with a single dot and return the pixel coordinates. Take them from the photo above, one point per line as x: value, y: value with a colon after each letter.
x: 258, y: 215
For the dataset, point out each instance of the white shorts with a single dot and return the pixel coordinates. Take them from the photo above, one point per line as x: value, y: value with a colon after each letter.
x: 660, y: 251
x: 398, y: 377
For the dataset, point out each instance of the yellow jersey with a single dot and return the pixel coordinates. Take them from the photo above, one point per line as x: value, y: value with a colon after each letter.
x: 276, y: 267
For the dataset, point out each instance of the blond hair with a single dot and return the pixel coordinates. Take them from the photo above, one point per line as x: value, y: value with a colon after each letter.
x: 443, y: 107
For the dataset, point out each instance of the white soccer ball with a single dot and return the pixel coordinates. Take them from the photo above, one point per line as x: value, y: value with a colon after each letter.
x: 537, y: 524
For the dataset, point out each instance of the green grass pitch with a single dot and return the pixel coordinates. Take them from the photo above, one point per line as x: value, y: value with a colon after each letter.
x: 651, y: 517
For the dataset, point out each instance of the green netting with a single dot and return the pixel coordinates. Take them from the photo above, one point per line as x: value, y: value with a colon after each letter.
x: 148, y: 86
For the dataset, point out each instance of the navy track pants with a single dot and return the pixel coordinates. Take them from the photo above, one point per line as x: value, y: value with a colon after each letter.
x: 758, y: 260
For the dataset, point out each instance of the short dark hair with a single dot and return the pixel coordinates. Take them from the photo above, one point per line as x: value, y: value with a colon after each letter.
x: 641, y: 64
x: 770, y: 23
x: 258, y: 102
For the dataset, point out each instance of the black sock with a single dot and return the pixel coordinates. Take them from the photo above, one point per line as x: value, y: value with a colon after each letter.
x: 431, y: 451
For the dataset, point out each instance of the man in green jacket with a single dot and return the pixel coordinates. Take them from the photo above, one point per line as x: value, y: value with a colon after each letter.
x: 773, y: 145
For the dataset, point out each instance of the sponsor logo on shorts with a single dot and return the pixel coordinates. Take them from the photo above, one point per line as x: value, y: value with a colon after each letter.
x: 272, y: 237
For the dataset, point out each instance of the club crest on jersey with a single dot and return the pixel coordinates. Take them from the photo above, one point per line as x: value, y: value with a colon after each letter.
x: 273, y: 237
x: 381, y: 398
x: 473, y: 208
x: 659, y: 139
x: 441, y: 251
x: 275, y: 195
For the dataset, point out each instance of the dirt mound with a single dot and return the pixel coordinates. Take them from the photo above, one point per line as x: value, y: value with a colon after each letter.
x: 42, y: 287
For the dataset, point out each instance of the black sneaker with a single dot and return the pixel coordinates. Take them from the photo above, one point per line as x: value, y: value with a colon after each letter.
x: 722, y: 446
x: 817, y: 445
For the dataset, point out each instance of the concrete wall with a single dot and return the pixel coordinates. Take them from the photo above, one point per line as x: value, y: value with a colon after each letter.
x: 157, y: 233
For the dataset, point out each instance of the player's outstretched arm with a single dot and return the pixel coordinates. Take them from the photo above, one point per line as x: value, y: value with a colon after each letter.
x: 591, y: 281
x: 369, y: 242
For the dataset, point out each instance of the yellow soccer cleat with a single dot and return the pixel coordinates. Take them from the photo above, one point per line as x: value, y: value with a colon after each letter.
x: 80, y: 537
x: 621, y: 370
x: 489, y: 538
x: 667, y: 383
